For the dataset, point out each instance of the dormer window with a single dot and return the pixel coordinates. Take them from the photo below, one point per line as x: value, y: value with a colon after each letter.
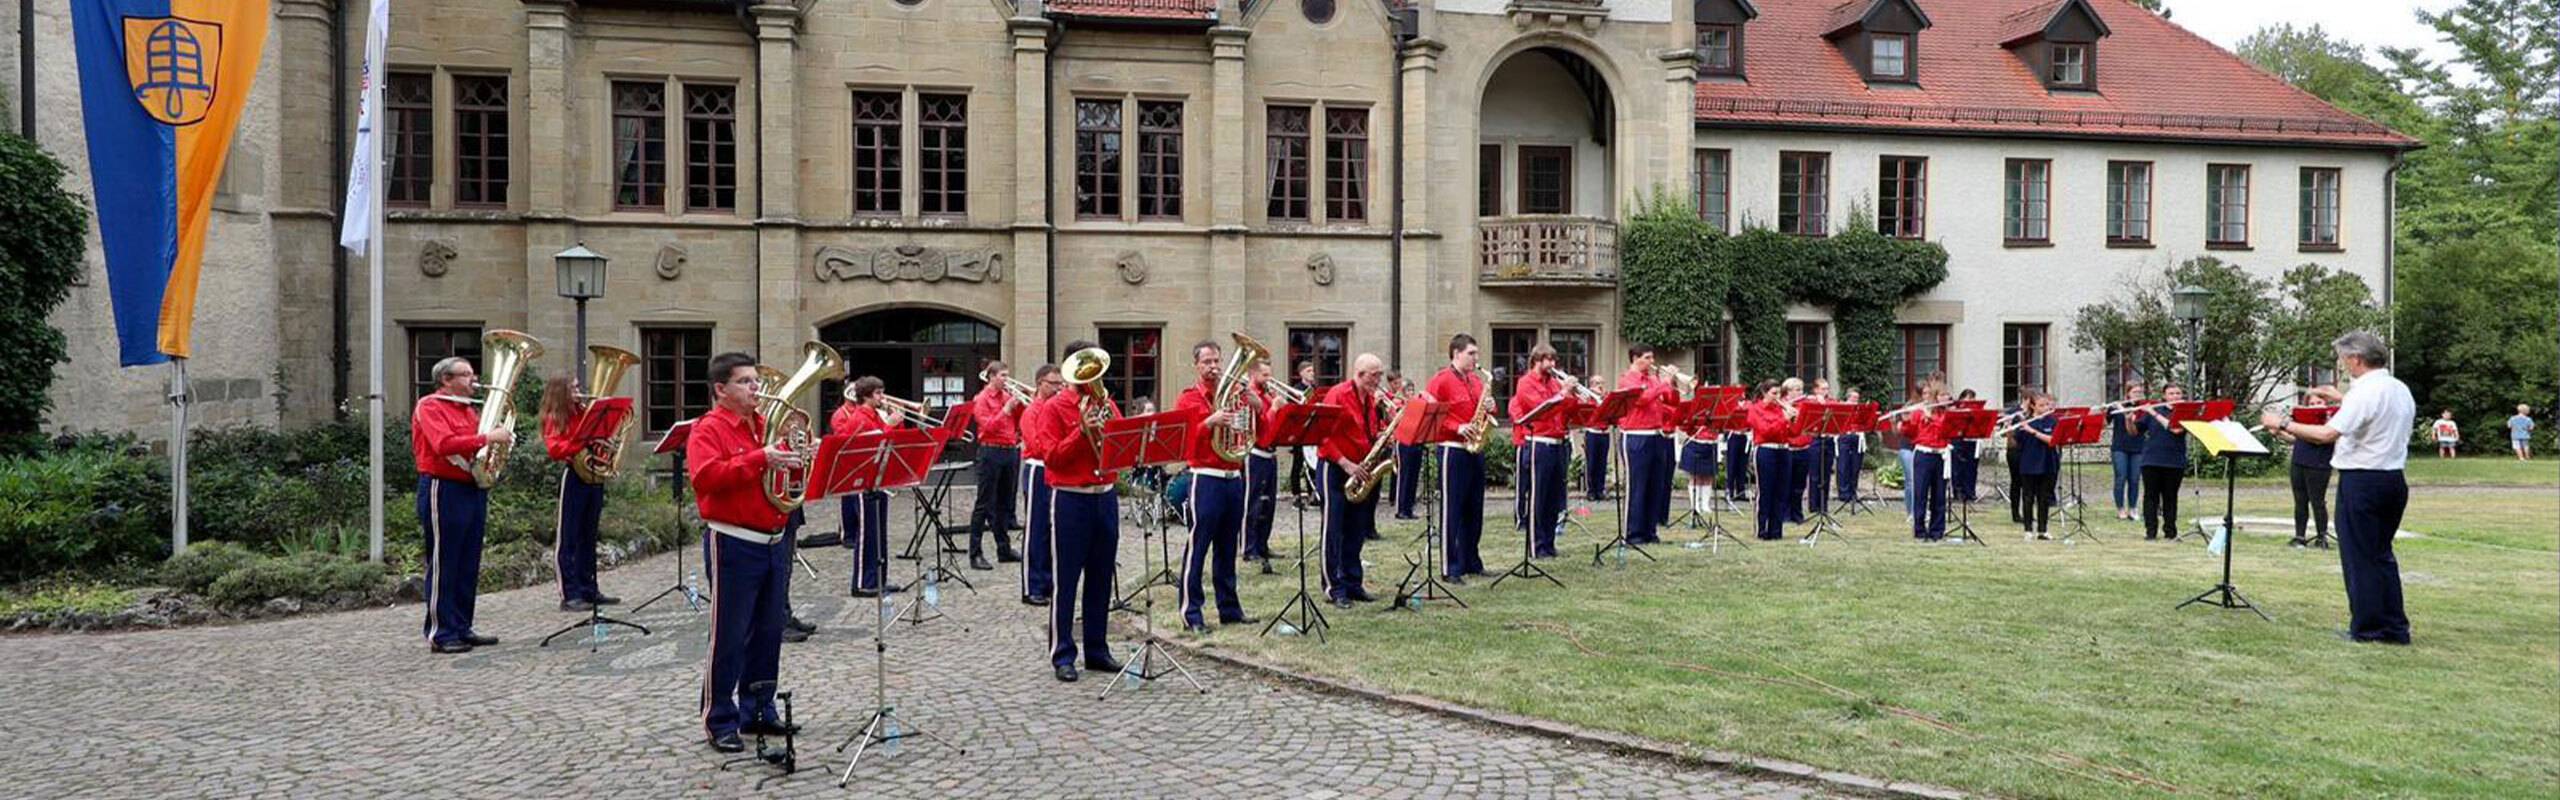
x: 2070, y: 66
x: 1889, y: 56
x: 1720, y: 49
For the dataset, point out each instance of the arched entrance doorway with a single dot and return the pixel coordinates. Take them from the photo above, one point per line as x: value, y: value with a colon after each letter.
x: 929, y: 355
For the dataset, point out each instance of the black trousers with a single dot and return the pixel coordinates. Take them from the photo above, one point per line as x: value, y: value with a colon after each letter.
x: 2036, y: 491
x: 2310, y: 499
x: 998, y: 469
x: 2370, y: 503
x: 2160, y: 500
x: 2017, y: 499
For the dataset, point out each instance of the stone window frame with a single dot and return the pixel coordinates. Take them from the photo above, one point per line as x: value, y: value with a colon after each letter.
x: 395, y: 112
x: 942, y: 153
x: 646, y: 185
x: 1797, y: 366
x: 675, y: 165
x: 1126, y: 178
x: 504, y: 159
x: 1126, y: 376
x: 1156, y: 168
x: 685, y: 386
x: 1317, y: 178
x: 894, y: 172
x: 708, y: 188
x: 2026, y: 202
x: 907, y: 150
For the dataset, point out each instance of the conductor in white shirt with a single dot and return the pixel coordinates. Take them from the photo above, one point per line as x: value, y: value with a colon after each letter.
x: 2371, y: 431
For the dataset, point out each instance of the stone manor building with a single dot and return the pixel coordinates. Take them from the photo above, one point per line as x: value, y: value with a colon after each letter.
x: 926, y: 184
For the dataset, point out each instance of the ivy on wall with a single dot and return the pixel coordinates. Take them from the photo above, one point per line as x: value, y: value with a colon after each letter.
x: 1676, y: 269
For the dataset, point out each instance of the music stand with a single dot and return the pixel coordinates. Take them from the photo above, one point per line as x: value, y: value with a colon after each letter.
x: 1303, y: 425
x: 1610, y: 414
x: 1144, y: 441
x: 1420, y: 426
x: 1697, y: 414
x: 1528, y: 508
x: 1975, y: 424
x: 1862, y: 421
x: 673, y: 445
x: 1158, y: 516
x: 874, y: 461
x: 2227, y: 440
x: 1828, y: 420
x: 2077, y: 427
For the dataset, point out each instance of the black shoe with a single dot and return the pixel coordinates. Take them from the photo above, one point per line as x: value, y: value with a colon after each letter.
x: 1195, y: 627
x: 605, y: 600
x: 451, y: 647
x: 1267, y: 569
x: 478, y: 640
x: 1102, y: 664
x: 1361, y: 596
x: 865, y: 593
x: 1454, y: 580
x: 1374, y: 536
x: 892, y: 589
x: 577, y: 606
x: 794, y: 636
x: 979, y: 563
x: 1482, y: 573
x: 1342, y: 602
x: 2172, y: 537
x: 767, y: 727
x: 729, y: 743
x: 2299, y: 543
x: 1247, y: 619
x: 1008, y: 555
x: 1066, y: 673
x: 1035, y: 600
x: 798, y: 624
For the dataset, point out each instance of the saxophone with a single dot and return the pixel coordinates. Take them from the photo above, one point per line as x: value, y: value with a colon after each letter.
x: 1484, y: 413
x: 1380, y: 462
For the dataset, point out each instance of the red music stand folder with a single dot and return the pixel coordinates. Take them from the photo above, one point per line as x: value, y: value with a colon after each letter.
x: 1971, y: 423
x: 2216, y: 410
x: 601, y: 417
x: 1564, y: 403
x: 1304, y: 425
x: 2186, y: 410
x: 1613, y: 407
x: 1145, y: 440
x: 1422, y: 423
x: 2314, y: 415
x: 888, y: 459
x: 2078, y: 426
x: 675, y: 439
x: 955, y: 421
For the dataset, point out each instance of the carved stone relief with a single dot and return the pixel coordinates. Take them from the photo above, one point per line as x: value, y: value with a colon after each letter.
x: 436, y: 257
x: 1321, y: 264
x: 1133, y: 267
x: 909, y: 262
x: 670, y: 262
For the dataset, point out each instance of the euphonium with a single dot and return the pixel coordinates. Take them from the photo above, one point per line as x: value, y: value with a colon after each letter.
x: 1380, y: 463
x: 1235, y: 441
x: 1483, y: 420
x: 601, y: 459
x: 1082, y: 371
x: 504, y: 352
x: 788, y: 427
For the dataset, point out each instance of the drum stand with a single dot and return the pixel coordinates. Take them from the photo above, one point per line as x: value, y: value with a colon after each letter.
x: 1144, y: 668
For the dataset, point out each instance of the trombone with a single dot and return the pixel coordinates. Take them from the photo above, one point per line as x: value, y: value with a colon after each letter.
x: 1021, y: 392
x: 1288, y: 394
x: 909, y: 411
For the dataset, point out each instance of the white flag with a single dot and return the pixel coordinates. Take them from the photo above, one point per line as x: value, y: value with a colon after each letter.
x: 362, y: 216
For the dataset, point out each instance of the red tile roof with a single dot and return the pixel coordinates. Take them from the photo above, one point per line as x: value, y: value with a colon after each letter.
x: 1137, y: 9
x: 2155, y: 80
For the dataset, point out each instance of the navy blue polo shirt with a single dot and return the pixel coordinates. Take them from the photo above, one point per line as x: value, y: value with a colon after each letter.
x: 2121, y: 440
x: 2315, y: 456
x: 2034, y: 456
x: 2163, y: 445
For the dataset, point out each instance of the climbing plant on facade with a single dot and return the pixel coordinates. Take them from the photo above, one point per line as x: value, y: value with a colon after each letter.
x: 1670, y: 251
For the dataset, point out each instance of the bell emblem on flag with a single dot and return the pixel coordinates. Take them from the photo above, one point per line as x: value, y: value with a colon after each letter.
x: 174, y: 66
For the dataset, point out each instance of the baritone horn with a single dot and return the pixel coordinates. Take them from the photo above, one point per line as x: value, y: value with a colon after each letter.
x: 1235, y: 441
x: 1082, y: 371
x: 601, y: 459
x: 505, y: 353
x: 786, y: 425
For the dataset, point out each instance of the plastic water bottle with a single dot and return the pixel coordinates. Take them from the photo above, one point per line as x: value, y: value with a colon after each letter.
x: 888, y: 611
x: 933, y: 593
x: 600, y: 632
x: 1285, y: 629
x: 692, y: 592
x: 889, y: 732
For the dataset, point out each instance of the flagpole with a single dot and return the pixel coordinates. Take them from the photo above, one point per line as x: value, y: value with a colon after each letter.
x: 373, y: 266
x: 177, y: 456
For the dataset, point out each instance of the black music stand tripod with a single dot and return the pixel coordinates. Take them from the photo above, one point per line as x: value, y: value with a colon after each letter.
x: 673, y: 445
x: 1528, y: 566
x: 1826, y: 424
x: 873, y: 462
x: 1303, y: 426
x: 1422, y: 584
x: 787, y: 759
x: 2224, y: 594
x: 1148, y: 440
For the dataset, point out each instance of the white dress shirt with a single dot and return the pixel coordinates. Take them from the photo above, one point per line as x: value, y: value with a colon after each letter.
x: 2373, y: 423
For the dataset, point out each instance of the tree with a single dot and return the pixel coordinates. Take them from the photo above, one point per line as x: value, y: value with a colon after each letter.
x: 43, y: 231
x: 2258, y: 333
x: 2159, y: 7
x: 2476, y: 330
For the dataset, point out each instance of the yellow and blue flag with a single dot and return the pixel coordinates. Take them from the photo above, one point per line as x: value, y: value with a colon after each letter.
x: 162, y: 87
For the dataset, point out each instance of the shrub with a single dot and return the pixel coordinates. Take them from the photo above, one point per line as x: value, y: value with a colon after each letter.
x: 195, y: 571
x: 309, y: 576
x: 78, y: 508
x: 1499, y: 456
x: 43, y: 234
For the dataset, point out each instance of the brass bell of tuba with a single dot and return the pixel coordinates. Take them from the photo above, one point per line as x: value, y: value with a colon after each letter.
x: 786, y: 425
x: 1082, y: 371
x: 505, y: 354
x: 601, y: 460
x: 1235, y: 441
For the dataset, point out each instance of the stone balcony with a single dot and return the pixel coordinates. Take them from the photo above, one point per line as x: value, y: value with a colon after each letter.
x: 1546, y: 250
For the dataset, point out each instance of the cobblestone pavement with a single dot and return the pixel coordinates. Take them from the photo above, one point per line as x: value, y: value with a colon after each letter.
x: 352, y: 705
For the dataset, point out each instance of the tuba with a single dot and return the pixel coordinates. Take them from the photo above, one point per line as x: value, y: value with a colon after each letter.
x: 1234, y: 442
x: 788, y: 427
x: 601, y: 459
x: 1082, y: 370
x: 505, y: 353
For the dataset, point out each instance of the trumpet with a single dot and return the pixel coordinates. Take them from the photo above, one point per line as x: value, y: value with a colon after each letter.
x: 1574, y: 385
x: 1680, y: 382
x: 1021, y: 392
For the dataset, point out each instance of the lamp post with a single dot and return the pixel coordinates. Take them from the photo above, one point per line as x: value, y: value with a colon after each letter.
x: 581, y: 278
x: 2187, y: 305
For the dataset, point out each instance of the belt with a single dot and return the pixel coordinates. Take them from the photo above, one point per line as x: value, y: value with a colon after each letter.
x: 1034, y: 462
x: 1938, y: 450
x: 983, y: 445
x: 1261, y: 453
x: 1772, y: 445
x: 1642, y: 433
x: 743, y: 534
x: 1546, y: 440
x: 1215, y: 473
x: 1096, y: 489
x: 2360, y: 471
x: 1455, y: 446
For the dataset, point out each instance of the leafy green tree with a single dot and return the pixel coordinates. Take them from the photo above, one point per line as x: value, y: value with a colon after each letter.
x: 2258, y: 333
x: 42, y: 237
x: 2476, y: 330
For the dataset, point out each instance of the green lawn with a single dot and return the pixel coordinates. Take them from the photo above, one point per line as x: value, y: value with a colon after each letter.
x: 2019, y: 669
x: 2426, y: 468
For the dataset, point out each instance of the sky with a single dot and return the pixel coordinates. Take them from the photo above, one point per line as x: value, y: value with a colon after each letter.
x: 2372, y: 23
